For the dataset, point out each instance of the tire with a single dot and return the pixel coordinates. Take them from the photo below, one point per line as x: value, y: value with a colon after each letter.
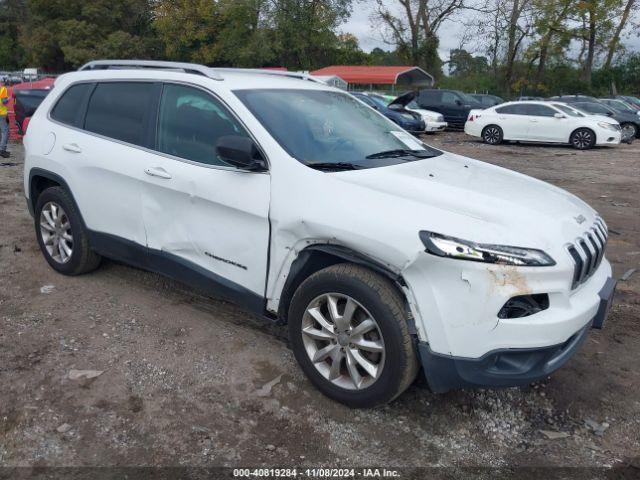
x: 492, y: 134
x: 582, y: 139
x: 60, y: 226
x: 630, y: 129
x: 372, y: 297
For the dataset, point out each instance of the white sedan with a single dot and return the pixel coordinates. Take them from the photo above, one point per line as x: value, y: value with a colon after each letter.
x: 434, y: 121
x: 549, y: 122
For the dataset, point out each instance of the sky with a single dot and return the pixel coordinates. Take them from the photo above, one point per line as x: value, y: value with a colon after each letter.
x: 450, y: 32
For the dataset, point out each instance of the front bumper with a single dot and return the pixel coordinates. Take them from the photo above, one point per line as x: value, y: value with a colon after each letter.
x: 456, y: 304
x: 608, y: 137
x: 435, y: 126
x: 508, y: 367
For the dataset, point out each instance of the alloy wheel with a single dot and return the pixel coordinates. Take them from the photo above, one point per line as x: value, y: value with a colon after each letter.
x: 582, y: 139
x: 343, y: 341
x: 629, y: 130
x: 55, y: 230
x: 492, y: 135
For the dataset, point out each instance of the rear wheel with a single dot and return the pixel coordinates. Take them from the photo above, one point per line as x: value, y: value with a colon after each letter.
x: 61, y: 234
x: 349, y: 332
x: 492, y: 134
x: 583, y: 139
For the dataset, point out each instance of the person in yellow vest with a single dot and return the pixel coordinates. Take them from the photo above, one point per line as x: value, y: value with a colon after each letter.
x: 4, y: 120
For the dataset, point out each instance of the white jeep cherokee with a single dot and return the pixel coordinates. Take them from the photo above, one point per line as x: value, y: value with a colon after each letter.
x: 305, y: 206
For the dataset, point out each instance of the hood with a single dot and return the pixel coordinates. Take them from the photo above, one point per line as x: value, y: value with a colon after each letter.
x: 403, y: 100
x: 603, y: 118
x: 473, y: 200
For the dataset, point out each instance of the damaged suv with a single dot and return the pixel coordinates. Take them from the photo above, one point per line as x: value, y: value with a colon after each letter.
x: 305, y: 206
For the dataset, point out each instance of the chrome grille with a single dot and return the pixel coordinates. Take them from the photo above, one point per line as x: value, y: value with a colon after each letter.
x: 587, y: 252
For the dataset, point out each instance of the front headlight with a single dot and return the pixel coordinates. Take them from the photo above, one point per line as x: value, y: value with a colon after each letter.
x: 608, y: 126
x: 445, y: 246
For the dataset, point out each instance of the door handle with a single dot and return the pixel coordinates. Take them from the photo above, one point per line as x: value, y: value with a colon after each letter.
x: 157, y: 172
x: 72, y: 147
x: 532, y: 120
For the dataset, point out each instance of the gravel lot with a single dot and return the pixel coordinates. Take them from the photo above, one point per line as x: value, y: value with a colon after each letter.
x: 189, y: 380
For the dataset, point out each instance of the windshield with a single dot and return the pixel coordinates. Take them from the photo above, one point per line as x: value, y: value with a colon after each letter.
x: 324, y: 126
x: 593, y: 108
x: 568, y: 110
x: 620, y: 106
x: 378, y: 101
x: 468, y: 98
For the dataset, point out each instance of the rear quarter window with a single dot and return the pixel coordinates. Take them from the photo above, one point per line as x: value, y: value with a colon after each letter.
x: 67, y: 108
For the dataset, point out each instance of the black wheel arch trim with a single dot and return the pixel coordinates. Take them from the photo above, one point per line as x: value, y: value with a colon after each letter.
x: 54, y: 177
x: 305, y: 258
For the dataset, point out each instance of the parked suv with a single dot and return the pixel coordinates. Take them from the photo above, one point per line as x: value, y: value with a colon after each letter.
x: 307, y: 207
x: 452, y: 104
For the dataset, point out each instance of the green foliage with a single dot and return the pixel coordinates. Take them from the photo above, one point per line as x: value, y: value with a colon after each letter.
x: 62, y: 34
x: 463, y: 64
x: 59, y: 35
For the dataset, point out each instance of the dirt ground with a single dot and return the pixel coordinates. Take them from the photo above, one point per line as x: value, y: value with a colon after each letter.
x: 193, y: 381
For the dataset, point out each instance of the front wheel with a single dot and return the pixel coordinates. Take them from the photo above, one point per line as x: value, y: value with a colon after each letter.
x: 492, y: 134
x: 348, y: 330
x: 583, y: 139
x: 629, y: 130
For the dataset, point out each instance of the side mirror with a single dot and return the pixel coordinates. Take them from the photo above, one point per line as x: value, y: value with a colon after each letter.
x: 610, y: 114
x: 559, y: 115
x: 458, y: 102
x: 240, y: 152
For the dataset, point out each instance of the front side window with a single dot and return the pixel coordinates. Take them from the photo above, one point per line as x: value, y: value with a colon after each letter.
x: 323, y: 126
x: 190, y: 123
x: 540, y: 110
x: 67, y: 108
x: 119, y: 110
x: 450, y: 98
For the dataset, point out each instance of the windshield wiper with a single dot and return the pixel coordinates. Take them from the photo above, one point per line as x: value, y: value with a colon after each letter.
x: 403, y: 152
x: 333, y: 166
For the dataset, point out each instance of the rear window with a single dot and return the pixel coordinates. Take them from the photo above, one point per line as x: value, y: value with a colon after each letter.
x: 119, y: 110
x: 67, y: 110
x: 516, y: 109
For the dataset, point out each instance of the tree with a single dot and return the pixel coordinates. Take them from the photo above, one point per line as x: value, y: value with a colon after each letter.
x: 414, y: 32
x: 595, y: 31
x: 189, y: 29
x: 11, y: 14
x: 304, y: 30
x: 62, y: 34
x: 462, y: 63
x: 550, y: 19
x: 615, y: 39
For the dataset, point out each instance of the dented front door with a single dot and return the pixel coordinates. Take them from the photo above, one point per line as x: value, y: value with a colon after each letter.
x: 196, y: 208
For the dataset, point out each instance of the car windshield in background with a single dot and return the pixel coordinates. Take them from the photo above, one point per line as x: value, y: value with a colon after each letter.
x: 468, y: 98
x: 572, y: 112
x: 592, y: 108
x: 321, y: 128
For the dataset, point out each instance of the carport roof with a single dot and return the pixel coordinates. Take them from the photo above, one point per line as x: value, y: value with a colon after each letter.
x: 379, y: 75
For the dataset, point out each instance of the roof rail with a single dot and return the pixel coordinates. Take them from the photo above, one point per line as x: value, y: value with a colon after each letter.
x: 261, y: 71
x: 151, y: 64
